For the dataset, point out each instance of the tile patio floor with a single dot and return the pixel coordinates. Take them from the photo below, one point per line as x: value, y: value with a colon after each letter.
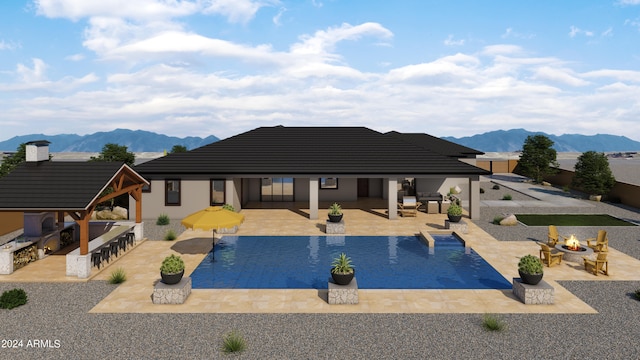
x: 141, y: 265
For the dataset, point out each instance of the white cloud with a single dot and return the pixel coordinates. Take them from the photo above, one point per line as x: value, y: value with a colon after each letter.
x: 8, y: 45
x: 75, y: 57
x: 575, y: 31
x: 323, y: 42
x: 237, y: 11
x: 629, y: 2
x: 510, y: 33
x: 559, y: 75
x: 450, y: 42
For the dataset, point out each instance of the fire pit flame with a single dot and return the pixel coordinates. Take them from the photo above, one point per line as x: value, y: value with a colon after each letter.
x: 572, y: 243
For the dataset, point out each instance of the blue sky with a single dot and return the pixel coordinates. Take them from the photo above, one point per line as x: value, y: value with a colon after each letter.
x: 222, y: 67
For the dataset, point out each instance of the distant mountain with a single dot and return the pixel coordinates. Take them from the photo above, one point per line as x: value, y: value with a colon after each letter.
x: 134, y: 140
x: 512, y: 140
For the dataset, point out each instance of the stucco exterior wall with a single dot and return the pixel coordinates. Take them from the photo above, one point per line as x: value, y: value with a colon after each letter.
x: 194, y: 196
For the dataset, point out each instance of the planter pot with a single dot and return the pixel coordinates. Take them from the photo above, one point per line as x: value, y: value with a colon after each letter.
x: 171, y: 279
x: 454, y: 218
x: 531, y: 279
x: 343, y: 279
x: 595, y: 197
x: 335, y: 218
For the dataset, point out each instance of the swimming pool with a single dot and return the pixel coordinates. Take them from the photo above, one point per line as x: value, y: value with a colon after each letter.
x: 381, y: 262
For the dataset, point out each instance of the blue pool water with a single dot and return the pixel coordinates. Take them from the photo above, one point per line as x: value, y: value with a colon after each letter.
x: 381, y: 262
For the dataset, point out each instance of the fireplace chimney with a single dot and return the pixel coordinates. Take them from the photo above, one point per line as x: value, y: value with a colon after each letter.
x: 37, y: 151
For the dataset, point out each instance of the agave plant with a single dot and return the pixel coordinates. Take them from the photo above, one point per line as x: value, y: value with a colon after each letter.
x: 342, y: 265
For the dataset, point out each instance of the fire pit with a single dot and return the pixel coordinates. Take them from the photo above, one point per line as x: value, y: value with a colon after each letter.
x: 573, y: 251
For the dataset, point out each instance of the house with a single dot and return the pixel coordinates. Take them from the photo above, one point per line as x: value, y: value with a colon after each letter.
x: 312, y: 165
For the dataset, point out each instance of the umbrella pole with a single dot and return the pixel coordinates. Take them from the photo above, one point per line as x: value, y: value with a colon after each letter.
x: 213, y: 244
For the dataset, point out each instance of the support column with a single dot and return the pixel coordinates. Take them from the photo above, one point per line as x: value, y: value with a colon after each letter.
x: 231, y: 194
x: 83, y: 224
x: 313, y: 198
x: 392, y: 197
x: 474, y: 197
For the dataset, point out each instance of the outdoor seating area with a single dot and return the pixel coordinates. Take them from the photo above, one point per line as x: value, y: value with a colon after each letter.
x: 112, y: 248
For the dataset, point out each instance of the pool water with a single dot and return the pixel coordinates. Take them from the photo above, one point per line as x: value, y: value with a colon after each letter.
x: 381, y: 262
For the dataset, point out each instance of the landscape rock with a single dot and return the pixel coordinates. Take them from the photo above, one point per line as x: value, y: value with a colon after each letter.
x: 509, y: 220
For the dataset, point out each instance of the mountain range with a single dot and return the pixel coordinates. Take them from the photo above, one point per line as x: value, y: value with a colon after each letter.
x: 134, y: 140
x: 512, y: 140
x: 146, y: 141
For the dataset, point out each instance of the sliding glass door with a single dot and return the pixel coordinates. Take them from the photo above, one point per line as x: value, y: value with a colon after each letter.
x: 277, y: 189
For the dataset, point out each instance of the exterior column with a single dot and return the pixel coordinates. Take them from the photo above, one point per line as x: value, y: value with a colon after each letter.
x: 231, y: 194
x: 474, y: 197
x: 392, y: 197
x: 313, y: 198
x: 83, y: 224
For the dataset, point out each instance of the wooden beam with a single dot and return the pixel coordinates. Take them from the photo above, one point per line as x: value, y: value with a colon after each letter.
x: 83, y: 224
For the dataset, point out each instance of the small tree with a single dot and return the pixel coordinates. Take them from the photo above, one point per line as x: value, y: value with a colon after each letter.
x: 178, y: 149
x: 592, y: 174
x: 115, y: 152
x: 11, y: 162
x: 538, y: 158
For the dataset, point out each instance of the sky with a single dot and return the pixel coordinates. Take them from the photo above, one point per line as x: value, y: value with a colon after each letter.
x: 223, y: 67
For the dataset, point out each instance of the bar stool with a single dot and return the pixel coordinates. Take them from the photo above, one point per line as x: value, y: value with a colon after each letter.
x: 131, y: 238
x: 114, y: 248
x: 96, y: 258
x: 122, y: 243
x: 105, y: 254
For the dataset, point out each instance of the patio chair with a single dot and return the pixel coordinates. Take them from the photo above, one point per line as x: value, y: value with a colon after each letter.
x: 409, y: 206
x: 600, y: 243
x: 550, y: 256
x: 553, y: 236
x: 599, y: 264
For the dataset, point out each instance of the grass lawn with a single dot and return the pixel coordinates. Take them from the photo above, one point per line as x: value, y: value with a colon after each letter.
x: 571, y: 220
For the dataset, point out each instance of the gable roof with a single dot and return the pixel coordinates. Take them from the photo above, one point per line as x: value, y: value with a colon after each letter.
x: 51, y: 185
x: 327, y: 151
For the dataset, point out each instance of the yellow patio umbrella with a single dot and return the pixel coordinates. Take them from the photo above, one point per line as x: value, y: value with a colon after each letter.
x: 213, y: 218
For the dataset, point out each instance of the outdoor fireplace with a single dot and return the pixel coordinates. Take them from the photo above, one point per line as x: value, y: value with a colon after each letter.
x: 573, y: 244
x: 572, y: 250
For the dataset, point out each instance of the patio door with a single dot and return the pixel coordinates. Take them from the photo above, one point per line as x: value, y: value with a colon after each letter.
x: 277, y: 189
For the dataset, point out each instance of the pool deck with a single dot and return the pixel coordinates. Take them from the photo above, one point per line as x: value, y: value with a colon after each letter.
x: 141, y: 265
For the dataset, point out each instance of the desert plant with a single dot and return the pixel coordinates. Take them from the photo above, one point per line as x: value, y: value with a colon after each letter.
x: 13, y: 298
x: 493, y: 323
x: 454, y: 209
x: 507, y: 197
x: 170, y: 235
x: 118, y: 276
x: 342, y: 265
x: 565, y: 188
x: 233, y: 342
x: 637, y: 294
x: 163, y: 219
x: 335, y: 209
x: 530, y: 264
x: 497, y: 219
x: 172, y: 264
x: 228, y: 207
x: 496, y: 187
x: 481, y: 190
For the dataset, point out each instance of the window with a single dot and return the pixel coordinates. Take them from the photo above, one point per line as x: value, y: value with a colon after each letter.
x: 328, y: 183
x: 172, y: 192
x: 217, y: 192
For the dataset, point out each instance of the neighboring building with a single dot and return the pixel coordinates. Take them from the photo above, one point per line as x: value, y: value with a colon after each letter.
x: 309, y: 164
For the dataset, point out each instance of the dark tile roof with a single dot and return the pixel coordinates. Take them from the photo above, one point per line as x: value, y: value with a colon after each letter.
x: 324, y: 151
x: 437, y: 144
x: 53, y: 185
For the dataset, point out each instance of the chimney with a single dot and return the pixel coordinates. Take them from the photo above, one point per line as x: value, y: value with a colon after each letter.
x: 37, y: 151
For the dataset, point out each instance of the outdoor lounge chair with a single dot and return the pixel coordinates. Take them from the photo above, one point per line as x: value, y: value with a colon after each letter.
x: 601, y: 243
x: 553, y: 236
x: 599, y: 264
x: 550, y: 256
x: 409, y: 206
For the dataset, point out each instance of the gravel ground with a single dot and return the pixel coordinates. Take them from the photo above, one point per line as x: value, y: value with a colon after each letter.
x: 59, y: 312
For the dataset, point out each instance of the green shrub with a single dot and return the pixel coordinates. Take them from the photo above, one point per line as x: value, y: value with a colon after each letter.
x: 228, y: 207
x: 454, y: 209
x: 172, y: 264
x: 530, y: 264
x: 13, y: 298
x: 118, y: 276
x: 170, y: 235
x: 493, y: 323
x: 507, y: 197
x: 481, y: 190
x: 566, y: 188
x: 496, y: 187
x: 233, y: 342
x: 637, y: 294
x: 335, y: 209
x: 163, y: 219
x: 497, y: 219
x: 342, y: 265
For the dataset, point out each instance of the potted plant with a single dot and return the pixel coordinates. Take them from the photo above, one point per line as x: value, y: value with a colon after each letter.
x: 342, y: 271
x: 454, y: 212
x: 530, y: 269
x: 335, y: 212
x: 172, y: 269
